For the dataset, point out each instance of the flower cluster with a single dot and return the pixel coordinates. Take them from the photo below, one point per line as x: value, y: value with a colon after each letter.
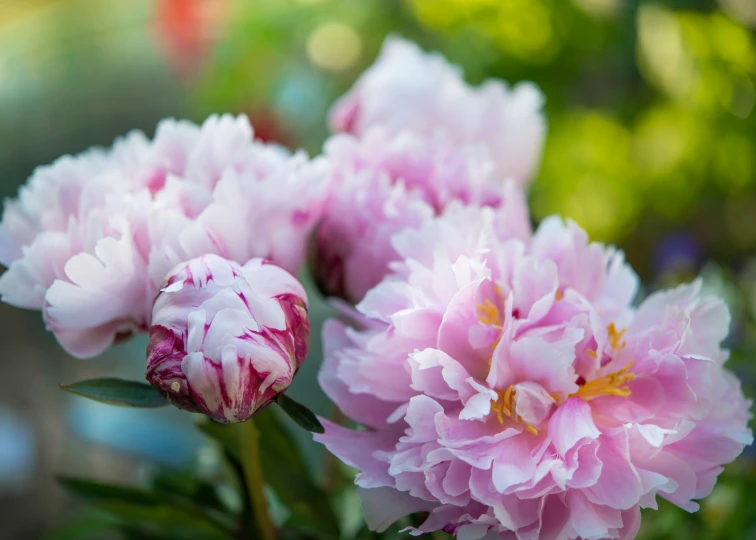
x: 227, y: 339
x: 511, y: 390
x: 417, y: 139
x: 509, y: 386
x: 91, y: 237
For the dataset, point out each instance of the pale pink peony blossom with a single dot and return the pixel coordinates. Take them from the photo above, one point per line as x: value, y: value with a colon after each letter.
x: 407, y: 89
x: 91, y: 237
x: 417, y: 139
x: 510, y: 389
x: 383, y: 183
x: 227, y: 339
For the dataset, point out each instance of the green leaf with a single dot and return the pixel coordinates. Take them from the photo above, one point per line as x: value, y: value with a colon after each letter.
x: 134, y: 507
x: 118, y: 392
x: 300, y: 414
x: 88, y: 527
x: 188, y: 487
x: 96, y: 491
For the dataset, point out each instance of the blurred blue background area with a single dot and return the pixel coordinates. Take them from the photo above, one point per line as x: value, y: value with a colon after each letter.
x: 651, y: 145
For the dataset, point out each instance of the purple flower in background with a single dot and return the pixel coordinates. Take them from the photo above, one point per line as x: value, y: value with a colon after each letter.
x: 678, y: 252
x: 227, y: 339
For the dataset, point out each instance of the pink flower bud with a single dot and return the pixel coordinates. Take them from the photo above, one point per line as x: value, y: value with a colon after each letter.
x: 226, y: 339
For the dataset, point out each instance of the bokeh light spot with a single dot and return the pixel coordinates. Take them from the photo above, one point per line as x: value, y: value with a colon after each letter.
x: 334, y: 46
x: 599, y: 8
x: 661, y: 51
x: 742, y: 10
x: 740, y: 97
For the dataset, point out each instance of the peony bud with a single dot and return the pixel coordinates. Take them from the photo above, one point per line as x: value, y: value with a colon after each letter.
x: 227, y: 339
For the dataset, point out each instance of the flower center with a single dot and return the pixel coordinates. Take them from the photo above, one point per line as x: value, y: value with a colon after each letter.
x: 608, y: 385
x: 504, y: 407
x: 489, y: 314
x: 615, y: 340
x: 615, y: 337
x: 612, y: 384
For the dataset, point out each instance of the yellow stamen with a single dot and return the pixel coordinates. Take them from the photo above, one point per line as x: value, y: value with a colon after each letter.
x: 504, y: 407
x: 615, y: 337
x: 489, y: 314
x: 592, y: 353
x: 608, y: 385
x: 559, y: 295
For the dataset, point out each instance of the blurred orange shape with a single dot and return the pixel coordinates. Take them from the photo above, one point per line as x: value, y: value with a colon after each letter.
x: 187, y: 29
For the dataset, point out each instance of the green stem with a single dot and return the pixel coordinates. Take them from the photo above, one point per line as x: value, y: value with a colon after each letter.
x: 253, y: 478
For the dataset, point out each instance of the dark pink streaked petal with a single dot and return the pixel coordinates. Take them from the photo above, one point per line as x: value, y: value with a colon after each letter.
x: 211, y: 349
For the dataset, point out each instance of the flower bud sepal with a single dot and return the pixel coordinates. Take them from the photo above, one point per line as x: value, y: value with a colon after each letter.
x: 303, y: 416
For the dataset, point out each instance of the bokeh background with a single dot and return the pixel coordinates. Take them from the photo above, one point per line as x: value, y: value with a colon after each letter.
x: 651, y: 145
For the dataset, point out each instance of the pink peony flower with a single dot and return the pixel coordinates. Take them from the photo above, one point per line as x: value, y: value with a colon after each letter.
x: 384, y: 183
x: 510, y: 389
x: 90, y: 238
x: 419, y: 139
x: 407, y: 89
x: 227, y: 339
